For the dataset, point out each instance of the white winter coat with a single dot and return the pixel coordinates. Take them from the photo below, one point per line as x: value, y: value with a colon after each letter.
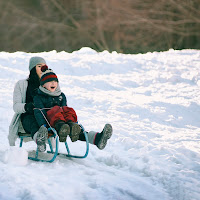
x: 19, y: 99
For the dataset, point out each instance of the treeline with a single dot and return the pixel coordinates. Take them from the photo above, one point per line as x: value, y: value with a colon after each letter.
x: 127, y: 26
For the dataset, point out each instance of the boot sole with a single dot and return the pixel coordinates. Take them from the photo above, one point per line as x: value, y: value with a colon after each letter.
x: 107, y: 133
x: 75, y: 132
x: 64, y: 132
x: 41, y: 139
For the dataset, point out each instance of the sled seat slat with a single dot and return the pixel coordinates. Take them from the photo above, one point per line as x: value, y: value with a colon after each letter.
x: 24, y: 134
x: 29, y: 135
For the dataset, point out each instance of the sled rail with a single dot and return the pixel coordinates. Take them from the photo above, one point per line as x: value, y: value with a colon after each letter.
x: 55, y: 153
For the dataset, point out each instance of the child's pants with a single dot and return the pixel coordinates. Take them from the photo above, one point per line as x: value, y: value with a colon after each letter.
x: 58, y: 113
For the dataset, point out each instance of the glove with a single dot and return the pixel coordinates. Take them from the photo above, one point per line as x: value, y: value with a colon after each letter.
x: 29, y: 108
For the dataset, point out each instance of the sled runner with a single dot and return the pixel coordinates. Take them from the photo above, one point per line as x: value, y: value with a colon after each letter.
x: 39, y: 156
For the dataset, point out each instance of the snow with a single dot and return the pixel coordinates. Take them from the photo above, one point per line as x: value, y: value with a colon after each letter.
x: 152, y: 101
x: 16, y: 156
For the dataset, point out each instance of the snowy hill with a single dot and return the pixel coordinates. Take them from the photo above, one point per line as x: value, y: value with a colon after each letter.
x: 153, y: 102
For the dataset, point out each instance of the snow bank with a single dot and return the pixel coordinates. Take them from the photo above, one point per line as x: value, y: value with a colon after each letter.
x: 16, y: 156
x: 151, y: 100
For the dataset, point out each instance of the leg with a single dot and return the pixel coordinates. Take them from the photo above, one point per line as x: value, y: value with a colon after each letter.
x: 30, y: 124
x: 75, y: 130
x: 39, y: 134
x: 63, y: 130
x: 102, y: 138
x: 40, y: 138
x: 98, y: 139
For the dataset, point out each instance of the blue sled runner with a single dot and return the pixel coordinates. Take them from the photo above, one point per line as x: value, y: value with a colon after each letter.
x: 53, y: 133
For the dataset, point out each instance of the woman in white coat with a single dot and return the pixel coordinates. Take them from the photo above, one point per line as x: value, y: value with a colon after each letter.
x: 24, y: 92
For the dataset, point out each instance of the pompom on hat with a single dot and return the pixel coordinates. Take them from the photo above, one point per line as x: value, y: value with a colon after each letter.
x: 47, y: 75
x: 35, y: 61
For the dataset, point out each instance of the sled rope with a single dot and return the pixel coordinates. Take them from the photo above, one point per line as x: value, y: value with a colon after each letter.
x: 40, y: 109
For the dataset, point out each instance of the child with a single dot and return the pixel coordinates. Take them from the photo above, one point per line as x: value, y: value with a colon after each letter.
x: 51, y: 103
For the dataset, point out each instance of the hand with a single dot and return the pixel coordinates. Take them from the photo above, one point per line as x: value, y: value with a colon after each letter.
x: 29, y: 108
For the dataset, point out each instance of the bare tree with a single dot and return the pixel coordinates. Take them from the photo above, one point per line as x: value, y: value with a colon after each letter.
x: 127, y: 26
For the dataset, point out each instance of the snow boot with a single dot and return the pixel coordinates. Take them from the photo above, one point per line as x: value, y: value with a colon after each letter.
x: 75, y: 131
x: 63, y: 130
x: 40, y: 138
x: 101, y: 139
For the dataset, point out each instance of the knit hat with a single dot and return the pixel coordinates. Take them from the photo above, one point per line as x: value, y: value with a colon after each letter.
x: 35, y: 61
x: 47, y: 75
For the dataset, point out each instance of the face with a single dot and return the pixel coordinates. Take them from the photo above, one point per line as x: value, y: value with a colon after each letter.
x: 38, y: 69
x: 51, y: 86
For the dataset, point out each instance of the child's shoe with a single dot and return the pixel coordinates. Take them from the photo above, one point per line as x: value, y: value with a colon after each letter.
x: 75, y: 130
x: 63, y: 130
x: 40, y: 138
x: 102, y: 138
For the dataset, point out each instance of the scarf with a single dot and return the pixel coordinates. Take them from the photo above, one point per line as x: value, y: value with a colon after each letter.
x: 57, y: 92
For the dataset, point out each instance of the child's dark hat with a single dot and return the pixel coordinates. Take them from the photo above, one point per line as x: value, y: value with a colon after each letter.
x: 47, y: 75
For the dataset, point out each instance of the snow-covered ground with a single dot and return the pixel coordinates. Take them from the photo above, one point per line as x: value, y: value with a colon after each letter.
x: 152, y: 101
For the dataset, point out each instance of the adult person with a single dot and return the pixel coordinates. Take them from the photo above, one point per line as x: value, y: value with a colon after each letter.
x: 24, y: 92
